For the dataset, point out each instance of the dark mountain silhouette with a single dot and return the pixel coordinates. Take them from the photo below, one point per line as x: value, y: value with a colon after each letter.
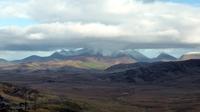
x: 164, y: 57
x: 156, y: 73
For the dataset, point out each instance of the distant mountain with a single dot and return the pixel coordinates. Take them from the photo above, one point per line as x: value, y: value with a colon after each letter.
x: 76, y: 54
x: 83, y: 58
x: 191, y: 55
x: 59, y: 55
x: 3, y: 60
x: 134, y: 54
x: 157, y: 73
x: 63, y: 54
x: 32, y: 58
x: 80, y: 58
x: 164, y: 57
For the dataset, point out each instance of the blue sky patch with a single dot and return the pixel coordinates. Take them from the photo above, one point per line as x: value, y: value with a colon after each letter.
x: 16, y: 21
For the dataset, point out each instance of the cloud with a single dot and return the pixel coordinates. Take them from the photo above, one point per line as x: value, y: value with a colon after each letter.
x: 104, y: 24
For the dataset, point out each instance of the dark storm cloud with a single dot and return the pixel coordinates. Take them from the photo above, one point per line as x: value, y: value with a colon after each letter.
x: 96, y: 44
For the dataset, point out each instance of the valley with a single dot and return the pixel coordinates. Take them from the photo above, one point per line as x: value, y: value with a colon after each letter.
x: 138, y: 87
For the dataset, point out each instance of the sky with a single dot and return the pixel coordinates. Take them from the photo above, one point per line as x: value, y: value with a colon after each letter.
x: 40, y: 27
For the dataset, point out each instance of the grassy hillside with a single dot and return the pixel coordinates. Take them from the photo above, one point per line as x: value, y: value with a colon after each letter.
x: 15, y: 98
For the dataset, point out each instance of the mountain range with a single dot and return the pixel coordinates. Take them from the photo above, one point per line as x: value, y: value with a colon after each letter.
x: 88, y: 58
x: 81, y: 54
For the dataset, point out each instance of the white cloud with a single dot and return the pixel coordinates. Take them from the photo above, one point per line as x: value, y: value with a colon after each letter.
x: 14, y: 9
x: 95, y: 30
x: 76, y: 22
x: 36, y: 36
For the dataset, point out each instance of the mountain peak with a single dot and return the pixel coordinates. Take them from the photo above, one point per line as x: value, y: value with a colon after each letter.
x: 134, y: 54
x: 62, y: 52
x: 31, y: 58
x: 164, y: 57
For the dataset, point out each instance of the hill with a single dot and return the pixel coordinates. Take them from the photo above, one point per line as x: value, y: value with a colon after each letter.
x: 155, y: 87
x: 181, y: 72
